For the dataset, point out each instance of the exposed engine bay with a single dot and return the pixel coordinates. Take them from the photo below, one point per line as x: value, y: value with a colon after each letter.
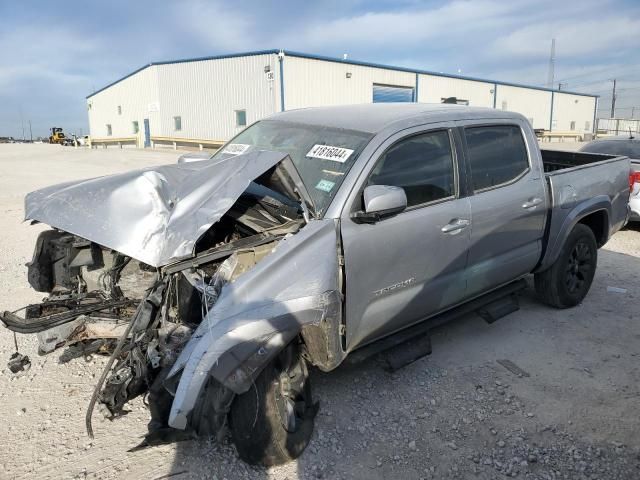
x: 101, y: 301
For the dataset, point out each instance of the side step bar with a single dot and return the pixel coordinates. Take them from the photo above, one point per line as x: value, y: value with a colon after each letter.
x: 491, y: 307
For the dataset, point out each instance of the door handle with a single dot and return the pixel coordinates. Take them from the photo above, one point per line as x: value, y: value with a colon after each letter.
x: 532, y: 203
x: 455, y: 225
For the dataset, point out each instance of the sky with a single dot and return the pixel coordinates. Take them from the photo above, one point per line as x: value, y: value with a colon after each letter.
x: 54, y: 54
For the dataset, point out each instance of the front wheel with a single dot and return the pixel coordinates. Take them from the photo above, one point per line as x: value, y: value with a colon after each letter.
x: 273, y: 421
x: 567, y: 281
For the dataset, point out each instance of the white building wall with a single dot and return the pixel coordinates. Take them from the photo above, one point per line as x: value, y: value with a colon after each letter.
x: 568, y: 108
x: 206, y: 95
x: 313, y: 83
x: 136, y: 96
x: 533, y: 104
x: 432, y: 89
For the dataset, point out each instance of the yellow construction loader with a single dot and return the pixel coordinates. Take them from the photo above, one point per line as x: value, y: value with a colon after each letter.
x: 57, y: 136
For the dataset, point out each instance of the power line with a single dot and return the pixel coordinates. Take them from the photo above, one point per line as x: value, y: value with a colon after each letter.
x: 607, y: 69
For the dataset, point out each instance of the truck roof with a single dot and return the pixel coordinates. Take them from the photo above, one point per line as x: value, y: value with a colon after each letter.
x: 374, y: 117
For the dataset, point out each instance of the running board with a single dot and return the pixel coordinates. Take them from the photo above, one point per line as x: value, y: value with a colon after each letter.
x: 493, y: 303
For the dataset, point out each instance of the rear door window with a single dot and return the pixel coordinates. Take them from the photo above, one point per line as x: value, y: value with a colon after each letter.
x: 497, y: 155
x: 422, y: 165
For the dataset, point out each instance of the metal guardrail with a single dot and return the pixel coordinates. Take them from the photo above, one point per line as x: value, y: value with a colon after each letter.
x: 175, y: 141
x: 155, y: 141
x: 577, y: 136
x: 112, y: 140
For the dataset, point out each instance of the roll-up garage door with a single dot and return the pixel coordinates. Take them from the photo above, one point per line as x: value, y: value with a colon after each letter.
x: 388, y: 93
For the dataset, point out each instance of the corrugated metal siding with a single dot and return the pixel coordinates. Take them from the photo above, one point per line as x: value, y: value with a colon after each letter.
x: 206, y: 95
x: 314, y: 83
x: 432, y: 89
x: 134, y: 95
x: 533, y: 104
x: 569, y: 108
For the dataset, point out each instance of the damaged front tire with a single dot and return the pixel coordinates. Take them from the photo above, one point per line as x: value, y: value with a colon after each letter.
x: 272, y: 422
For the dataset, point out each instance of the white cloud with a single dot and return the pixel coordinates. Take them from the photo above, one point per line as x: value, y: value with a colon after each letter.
x: 216, y: 26
x: 507, y: 40
x: 402, y: 29
x: 575, y: 37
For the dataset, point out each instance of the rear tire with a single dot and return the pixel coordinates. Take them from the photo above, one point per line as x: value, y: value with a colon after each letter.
x: 273, y: 421
x: 567, y: 281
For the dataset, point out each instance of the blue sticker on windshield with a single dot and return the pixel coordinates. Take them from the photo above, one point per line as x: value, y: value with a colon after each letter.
x: 325, y: 185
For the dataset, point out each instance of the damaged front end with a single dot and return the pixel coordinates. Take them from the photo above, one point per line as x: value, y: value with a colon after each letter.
x: 165, y: 270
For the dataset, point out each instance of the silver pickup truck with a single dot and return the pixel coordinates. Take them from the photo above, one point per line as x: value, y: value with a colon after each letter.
x: 313, y: 237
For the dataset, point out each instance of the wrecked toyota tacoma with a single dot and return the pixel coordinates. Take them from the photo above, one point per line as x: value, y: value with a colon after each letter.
x: 312, y: 237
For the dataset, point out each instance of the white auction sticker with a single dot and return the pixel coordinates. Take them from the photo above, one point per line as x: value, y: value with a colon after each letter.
x: 236, y: 148
x: 327, y: 152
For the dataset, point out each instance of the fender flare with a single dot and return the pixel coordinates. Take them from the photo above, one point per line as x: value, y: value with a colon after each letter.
x: 235, y: 353
x: 601, y: 203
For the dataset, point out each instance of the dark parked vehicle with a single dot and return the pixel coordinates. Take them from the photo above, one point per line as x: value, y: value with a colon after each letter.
x: 628, y: 146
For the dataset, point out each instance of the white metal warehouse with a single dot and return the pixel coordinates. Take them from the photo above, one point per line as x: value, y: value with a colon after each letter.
x: 206, y: 101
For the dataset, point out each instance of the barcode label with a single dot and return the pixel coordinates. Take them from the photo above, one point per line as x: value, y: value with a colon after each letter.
x: 327, y: 152
x: 236, y: 148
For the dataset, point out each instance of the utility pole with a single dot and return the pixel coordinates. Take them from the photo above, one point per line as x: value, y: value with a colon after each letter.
x: 22, y: 122
x: 613, y: 100
x: 552, y: 61
x: 30, y: 132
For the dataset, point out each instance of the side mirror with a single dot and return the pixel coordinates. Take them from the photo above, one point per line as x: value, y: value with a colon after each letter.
x: 381, y: 201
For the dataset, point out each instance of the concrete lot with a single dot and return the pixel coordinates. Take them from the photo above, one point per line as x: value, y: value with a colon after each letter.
x: 455, y: 414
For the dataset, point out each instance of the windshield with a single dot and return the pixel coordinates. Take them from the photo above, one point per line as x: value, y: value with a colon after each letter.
x: 322, y: 155
x: 628, y: 148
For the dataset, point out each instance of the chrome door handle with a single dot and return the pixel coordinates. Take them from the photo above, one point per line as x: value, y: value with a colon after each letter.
x: 455, y: 225
x: 532, y: 202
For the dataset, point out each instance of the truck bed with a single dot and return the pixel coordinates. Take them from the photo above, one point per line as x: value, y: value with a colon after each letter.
x: 554, y: 160
x: 578, y: 182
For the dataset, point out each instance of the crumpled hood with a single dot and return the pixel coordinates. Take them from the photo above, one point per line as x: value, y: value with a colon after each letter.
x: 156, y: 214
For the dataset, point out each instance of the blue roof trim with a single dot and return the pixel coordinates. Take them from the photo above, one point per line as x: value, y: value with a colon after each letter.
x: 187, y: 60
x: 346, y: 62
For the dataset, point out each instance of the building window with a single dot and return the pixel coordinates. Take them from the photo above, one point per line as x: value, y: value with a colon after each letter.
x: 119, y: 109
x: 241, y: 118
x: 136, y: 127
x: 177, y: 123
x: 573, y: 125
x: 108, y: 130
x: 587, y: 126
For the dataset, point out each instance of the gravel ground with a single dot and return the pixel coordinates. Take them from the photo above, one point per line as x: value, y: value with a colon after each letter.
x: 572, y: 413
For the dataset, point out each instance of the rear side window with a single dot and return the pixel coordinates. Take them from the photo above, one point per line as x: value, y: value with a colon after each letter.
x: 422, y: 165
x: 497, y: 155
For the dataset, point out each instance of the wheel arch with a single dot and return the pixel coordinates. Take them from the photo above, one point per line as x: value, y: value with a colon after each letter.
x: 595, y: 213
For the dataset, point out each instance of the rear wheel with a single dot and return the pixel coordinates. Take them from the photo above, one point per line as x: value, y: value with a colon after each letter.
x: 567, y: 281
x: 272, y: 422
